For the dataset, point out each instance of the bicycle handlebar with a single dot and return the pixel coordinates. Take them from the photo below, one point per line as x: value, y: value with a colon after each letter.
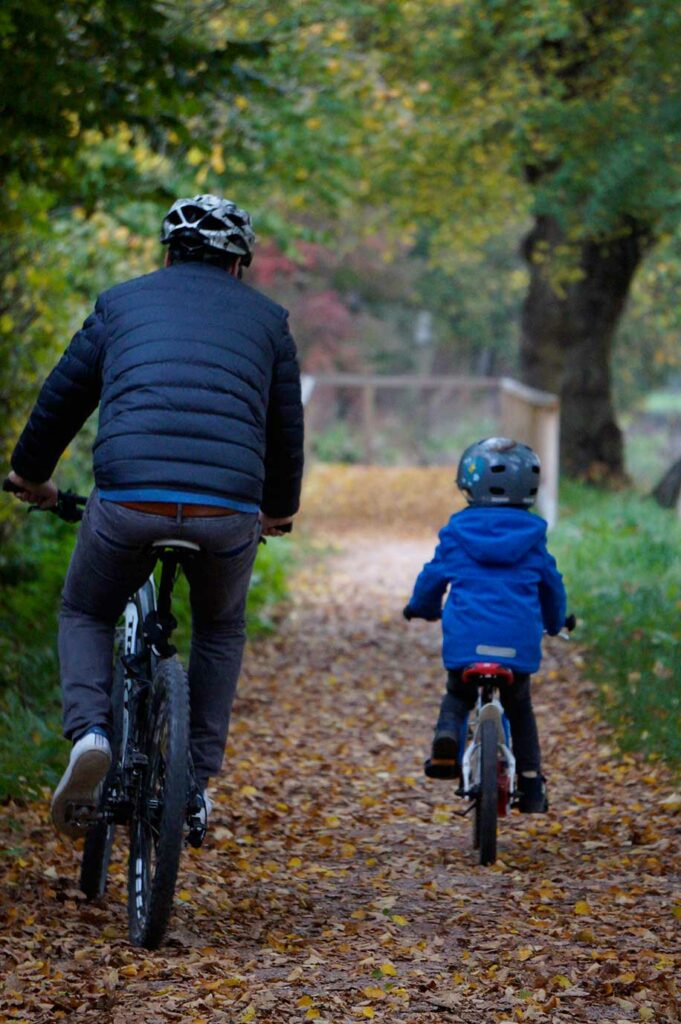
x: 68, y: 506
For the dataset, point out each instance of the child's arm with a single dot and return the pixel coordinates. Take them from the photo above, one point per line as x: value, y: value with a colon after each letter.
x: 552, y: 596
x: 431, y: 583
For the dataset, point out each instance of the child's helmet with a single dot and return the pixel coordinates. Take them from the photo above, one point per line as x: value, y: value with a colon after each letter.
x: 499, y: 471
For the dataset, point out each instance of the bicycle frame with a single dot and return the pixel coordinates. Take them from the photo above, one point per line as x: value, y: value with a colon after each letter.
x: 487, y: 677
x: 488, y: 708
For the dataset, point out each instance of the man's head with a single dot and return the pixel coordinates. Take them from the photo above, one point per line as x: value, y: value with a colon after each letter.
x: 499, y: 471
x: 208, y: 229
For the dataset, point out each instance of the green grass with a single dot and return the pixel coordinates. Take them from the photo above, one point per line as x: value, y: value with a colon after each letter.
x: 32, y: 569
x: 663, y: 403
x: 619, y: 554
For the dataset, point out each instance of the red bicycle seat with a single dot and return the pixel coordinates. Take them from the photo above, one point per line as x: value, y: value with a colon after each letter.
x: 487, y: 670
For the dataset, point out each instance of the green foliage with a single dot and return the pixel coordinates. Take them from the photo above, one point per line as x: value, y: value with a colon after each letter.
x: 619, y: 554
x: 73, y: 69
x: 579, y: 104
x: 337, y: 443
x: 32, y: 570
x: 648, y: 350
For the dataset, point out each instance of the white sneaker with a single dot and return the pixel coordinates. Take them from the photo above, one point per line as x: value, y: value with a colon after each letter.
x: 80, y: 786
x: 209, y: 804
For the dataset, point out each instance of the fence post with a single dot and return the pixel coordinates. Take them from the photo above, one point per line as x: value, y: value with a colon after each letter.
x: 369, y: 421
x: 533, y: 417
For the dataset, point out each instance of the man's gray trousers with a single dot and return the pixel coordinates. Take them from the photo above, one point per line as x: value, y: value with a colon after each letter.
x: 111, y: 560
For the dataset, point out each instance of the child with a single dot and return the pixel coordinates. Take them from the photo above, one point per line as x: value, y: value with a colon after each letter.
x: 505, y: 590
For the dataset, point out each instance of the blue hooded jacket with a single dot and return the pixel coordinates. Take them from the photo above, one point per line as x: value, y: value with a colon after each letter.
x: 505, y: 588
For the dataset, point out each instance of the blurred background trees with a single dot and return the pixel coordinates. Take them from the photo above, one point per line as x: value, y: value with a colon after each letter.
x: 510, y: 171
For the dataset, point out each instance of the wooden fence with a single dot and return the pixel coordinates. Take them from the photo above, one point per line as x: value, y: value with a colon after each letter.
x: 523, y: 413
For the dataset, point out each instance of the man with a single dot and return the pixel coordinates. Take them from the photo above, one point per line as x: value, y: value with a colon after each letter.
x: 200, y: 437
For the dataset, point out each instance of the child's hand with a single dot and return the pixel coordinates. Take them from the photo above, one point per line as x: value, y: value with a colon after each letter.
x: 410, y: 614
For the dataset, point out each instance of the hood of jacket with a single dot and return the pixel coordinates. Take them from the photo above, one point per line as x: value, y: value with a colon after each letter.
x: 499, y: 536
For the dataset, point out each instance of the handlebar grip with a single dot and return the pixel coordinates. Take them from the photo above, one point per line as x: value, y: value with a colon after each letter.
x: 285, y: 527
x: 68, y: 505
x: 570, y: 622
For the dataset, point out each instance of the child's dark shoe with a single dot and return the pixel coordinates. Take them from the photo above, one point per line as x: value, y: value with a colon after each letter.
x: 532, y: 798
x: 443, y: 762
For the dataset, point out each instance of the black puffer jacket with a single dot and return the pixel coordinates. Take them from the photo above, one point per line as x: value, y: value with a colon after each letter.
x: 199, y: 388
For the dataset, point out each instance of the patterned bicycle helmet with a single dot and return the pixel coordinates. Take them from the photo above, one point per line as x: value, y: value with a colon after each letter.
x: 209, y: 223
x: 499, y: 471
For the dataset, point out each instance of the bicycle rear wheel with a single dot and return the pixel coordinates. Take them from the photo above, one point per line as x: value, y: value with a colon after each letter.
x: 94, y: 867
x: 485, y: 813
x: 157, y: 826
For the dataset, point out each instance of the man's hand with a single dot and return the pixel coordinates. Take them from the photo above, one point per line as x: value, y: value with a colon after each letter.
x: 272, y: 527
x: 42, y: 495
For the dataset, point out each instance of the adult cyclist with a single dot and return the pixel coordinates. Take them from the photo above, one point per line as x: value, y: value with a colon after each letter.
x: 200, y: 437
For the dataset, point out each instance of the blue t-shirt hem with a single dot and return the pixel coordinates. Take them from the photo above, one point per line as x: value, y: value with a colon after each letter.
x: 181, y: 497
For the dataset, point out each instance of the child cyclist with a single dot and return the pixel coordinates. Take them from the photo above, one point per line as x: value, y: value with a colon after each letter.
x: 505, y: 590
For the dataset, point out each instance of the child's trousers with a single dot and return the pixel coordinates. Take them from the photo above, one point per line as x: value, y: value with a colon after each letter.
x: 517, y: 703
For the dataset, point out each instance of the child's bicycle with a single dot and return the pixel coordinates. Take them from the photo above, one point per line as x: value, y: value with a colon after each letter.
x: 150, y: 786
x: 488, y: 772
x: 488, y: 766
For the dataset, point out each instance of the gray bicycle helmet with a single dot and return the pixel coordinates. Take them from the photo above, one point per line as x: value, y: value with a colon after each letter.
x: 209, y: 223
x: 499, y: 471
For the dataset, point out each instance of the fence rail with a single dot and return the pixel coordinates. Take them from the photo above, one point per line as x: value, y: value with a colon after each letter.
x: 524, y: 413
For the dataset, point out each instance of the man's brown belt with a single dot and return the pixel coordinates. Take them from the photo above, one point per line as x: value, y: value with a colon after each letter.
x: 173, y: 508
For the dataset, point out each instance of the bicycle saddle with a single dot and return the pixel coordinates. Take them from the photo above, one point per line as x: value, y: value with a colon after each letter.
x: 173, y: 542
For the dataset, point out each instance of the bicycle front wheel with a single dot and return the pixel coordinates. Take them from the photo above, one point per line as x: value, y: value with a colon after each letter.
x: 157, y: 826
x: 485, y: 813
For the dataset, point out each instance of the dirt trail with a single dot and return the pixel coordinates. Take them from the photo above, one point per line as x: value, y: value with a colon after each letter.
x: 339, y: 885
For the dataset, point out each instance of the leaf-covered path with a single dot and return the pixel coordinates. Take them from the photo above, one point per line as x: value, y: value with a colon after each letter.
x: 339, y: 885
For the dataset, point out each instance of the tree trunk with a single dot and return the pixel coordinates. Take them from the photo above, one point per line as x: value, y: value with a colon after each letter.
x: 668, y: 490
x: 567, y: 332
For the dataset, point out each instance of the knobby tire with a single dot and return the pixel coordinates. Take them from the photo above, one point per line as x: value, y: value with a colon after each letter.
x: 486, y: 806
x: 156, y: 835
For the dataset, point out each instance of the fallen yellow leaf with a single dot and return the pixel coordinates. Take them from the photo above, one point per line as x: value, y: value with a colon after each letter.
x: 373, y: 992
x: 389, y: 970
x: 582, y: 907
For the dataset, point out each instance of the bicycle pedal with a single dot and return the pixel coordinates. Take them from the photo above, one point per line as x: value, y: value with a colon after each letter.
x: 196, y: 821
x: 196, y: 835
x: 441, y: 769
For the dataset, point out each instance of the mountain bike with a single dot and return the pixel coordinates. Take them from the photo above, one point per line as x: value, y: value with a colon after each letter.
x: 150, y: 787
